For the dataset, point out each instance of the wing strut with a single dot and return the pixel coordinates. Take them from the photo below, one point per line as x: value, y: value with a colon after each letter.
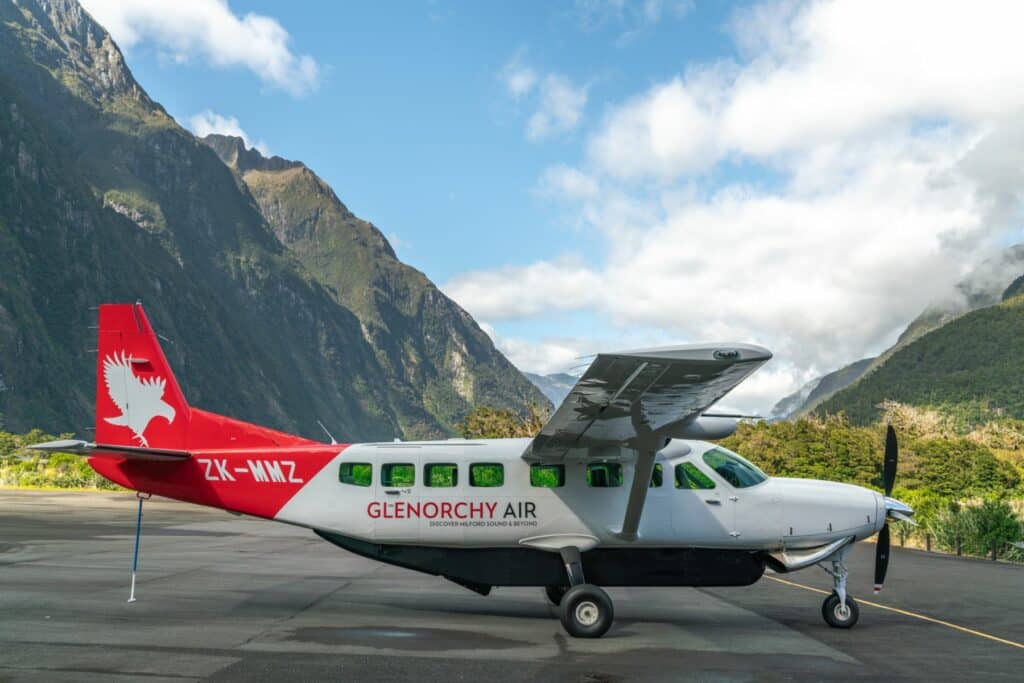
x: 638, y: 493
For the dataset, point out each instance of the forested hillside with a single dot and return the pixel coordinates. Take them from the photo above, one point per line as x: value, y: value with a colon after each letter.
x: 971, y: 368
x: 107, y: 199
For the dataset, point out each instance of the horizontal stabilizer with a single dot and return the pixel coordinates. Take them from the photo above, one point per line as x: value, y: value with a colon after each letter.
x: 92, y: 449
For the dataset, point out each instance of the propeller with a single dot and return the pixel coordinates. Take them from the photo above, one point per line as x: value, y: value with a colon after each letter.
x: 892, y: 456
x: 894, y: 509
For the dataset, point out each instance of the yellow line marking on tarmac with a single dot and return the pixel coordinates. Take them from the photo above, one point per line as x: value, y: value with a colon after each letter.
x: 904, y: 612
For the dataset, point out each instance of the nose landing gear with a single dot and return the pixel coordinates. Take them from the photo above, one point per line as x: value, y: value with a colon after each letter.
x: 839, y: 609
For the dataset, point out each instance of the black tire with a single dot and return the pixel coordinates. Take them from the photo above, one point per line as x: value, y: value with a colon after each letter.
x: 587, y: 611
x: 555, y: 594
x: 832, y: 612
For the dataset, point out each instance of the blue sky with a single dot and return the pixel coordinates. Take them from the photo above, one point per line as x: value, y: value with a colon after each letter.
x: 599, y: 174
x: 411, y: 123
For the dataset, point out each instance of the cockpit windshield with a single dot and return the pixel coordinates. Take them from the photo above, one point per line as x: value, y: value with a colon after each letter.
x: 734, y: 469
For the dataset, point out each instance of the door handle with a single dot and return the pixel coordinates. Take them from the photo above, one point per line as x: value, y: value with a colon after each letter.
x: 392, y: 492
x: 712, y: 501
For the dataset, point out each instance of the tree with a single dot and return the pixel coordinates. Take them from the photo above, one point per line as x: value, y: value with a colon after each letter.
x: 497, y: 423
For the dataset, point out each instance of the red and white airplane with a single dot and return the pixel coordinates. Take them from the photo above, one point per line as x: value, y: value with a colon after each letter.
x: 620, y: 487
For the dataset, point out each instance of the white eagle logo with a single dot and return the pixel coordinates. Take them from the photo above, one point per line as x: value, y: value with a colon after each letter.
x: 140, y: 400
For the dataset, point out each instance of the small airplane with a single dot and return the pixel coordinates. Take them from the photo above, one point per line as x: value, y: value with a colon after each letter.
x: 621, y: 487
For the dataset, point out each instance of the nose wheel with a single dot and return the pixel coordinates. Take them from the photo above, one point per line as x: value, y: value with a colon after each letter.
x: 838, y: 614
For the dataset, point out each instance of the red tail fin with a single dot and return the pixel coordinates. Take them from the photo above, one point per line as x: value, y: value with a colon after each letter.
x: 139, y: 402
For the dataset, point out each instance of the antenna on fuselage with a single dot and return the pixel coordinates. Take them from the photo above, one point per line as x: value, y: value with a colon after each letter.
x: 329, y: 436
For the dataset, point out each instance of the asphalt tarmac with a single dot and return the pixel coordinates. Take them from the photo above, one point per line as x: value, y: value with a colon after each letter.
x: 236, y: 599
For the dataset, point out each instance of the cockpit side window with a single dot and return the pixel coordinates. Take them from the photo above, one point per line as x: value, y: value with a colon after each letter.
x: 689, y: 477
x: 734, y: 469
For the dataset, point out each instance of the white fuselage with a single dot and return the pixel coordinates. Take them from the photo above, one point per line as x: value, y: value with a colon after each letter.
x: 777, y: 513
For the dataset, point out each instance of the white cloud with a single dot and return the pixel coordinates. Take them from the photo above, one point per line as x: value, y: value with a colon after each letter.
x: 209, y: 31
x: 565, y: 182
x: 820, y: 72
x: 542, y: 357
x: 558, y: 103
x: 880, y: 161
x: 559, y: 109
x: 633, y: 14
x: 520, y: 292
x: 519, y: 78
x: 206, y: 122
x: 667, y: 131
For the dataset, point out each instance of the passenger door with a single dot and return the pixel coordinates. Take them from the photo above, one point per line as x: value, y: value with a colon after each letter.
x: 703, y: 513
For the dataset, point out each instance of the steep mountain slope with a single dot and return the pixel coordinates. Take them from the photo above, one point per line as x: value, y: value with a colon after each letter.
x: 106, y: 198
x: 819, y: 389
x: 437, y: 360
x: 972, y: 367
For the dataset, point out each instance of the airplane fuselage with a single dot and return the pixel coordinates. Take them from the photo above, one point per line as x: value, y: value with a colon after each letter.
x: 774, y: 514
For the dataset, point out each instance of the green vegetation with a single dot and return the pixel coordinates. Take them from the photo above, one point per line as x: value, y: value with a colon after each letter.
x: 22, y: 467
x: 969, y: 369
x: 496, y: 423
x: 486, y: 474
x: 547, y: 476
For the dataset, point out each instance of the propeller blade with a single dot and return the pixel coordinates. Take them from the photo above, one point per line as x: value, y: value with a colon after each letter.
x: 892, y: 454
x: 881, y: 558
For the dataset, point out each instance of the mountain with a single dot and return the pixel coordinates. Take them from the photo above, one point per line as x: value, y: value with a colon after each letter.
x: 106, y: 198
x: 971, y: 368
x: 985, y: 285
x: 436, y: 360
x: 819, y: 389
x: 555, y: 386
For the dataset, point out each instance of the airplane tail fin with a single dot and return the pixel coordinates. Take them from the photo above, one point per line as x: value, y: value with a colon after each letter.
x: 140, y: 405
x: 138, y: 400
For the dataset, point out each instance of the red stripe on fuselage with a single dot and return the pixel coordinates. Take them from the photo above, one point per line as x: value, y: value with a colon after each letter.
x: 257, y: 481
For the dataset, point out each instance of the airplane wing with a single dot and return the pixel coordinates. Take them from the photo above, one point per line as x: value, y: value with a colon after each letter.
x: 637, y: 400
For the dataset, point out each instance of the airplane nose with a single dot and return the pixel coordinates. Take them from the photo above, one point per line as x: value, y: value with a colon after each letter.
x: 898, y: 510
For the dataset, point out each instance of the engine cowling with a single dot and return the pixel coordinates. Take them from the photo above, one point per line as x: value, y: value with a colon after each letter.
x: 706, y: 428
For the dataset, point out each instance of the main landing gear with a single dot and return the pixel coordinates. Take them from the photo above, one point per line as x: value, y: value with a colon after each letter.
x: 586, y: 611
x: 839, y: 609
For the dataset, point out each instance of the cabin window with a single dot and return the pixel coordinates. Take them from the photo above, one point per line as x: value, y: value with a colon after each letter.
x: 486, y: 474
x: 689, y: 477
x: 733, y: 468
x: 397, y: 474
x: 657, y: 476
x: 441, y: 474
x: 547, y: 476
x: 356, y: 473
x: 604, y: 475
